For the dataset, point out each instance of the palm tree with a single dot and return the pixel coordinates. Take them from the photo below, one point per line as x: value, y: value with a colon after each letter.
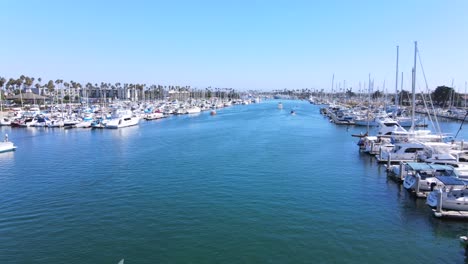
x: 50, y: 87
x: 2, y: 82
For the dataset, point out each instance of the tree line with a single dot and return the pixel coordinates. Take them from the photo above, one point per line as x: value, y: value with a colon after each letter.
x: 59, y: 88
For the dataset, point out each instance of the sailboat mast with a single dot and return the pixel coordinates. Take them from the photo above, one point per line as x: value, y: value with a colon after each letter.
x: 368, y: 103
x: 1, y: 103
x: 413, y: 86
x: 396, y: 82
x: 401, y: 86
x: 333, y: 82
x: 465, y: 95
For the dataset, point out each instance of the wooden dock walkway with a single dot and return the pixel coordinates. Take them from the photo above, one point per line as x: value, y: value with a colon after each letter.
x: 450, y: 214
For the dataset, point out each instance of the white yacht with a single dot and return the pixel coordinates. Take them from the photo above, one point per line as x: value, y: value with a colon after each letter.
x: 453, y: 196
x: 425, y: 178
x: 122, y: 118
x: 153, y: 116
x: 193, y: 110
x: 408, y: 151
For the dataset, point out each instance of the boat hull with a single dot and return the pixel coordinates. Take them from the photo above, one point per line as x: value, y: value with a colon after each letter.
x: 7, y: 146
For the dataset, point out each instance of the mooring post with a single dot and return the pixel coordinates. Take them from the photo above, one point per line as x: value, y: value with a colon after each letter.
x: 418, y: 179
x: 401, y: 171
x: 389, y: 160
x: 439, y: 201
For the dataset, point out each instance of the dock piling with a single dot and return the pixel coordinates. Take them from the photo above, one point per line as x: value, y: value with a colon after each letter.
x: 401, y: 171
x: 418, y: 180
x: 439, y: 201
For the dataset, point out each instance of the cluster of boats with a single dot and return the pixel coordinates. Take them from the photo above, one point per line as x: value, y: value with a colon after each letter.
x: 118, y: 115
x: 431, y: 166
x: 451, y: 113
x: 368, y: 116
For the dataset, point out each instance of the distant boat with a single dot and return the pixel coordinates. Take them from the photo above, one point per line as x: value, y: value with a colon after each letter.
x: 293, y: 112
x: 153, y: 116
x: 280, y: 106
x: 193, y: 110
x: 122, y: 118
x: 5, y: 121
x: 6, y: 145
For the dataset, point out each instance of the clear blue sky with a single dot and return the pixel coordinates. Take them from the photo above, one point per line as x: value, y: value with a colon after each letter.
x: 240, y: 44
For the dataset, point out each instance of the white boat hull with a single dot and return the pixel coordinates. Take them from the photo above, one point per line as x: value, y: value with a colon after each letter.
x: 122, y: 122
x: 7, y: 146
x: 454, y: 200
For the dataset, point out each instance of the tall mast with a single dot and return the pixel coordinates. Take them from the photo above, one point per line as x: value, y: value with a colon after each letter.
x: 413, y: 86
x: 396, y: 82
x: 368, y: 103
x: 333, y: 81
x: 401, y: 85
x: 465, y: 95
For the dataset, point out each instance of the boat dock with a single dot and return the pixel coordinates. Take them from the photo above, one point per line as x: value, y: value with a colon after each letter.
x: 450, y: 214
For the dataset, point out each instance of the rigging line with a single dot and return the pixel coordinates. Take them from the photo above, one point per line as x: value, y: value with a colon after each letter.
x: 430, y: 97
x: 461, y: 124
x: 425, y: 106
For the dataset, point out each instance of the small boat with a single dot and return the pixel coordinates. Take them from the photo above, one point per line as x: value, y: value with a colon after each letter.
x: 193, y: 110
x: 153, y: 116
x: 99, y: 123
x: 6, y: 145
x: 5, y: 121
x: 280, y: 106
x: 22, y: 122
x: 453, y: 196
x: 293, y: 112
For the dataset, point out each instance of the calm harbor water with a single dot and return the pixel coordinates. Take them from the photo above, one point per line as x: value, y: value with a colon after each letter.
x: 252, y: 184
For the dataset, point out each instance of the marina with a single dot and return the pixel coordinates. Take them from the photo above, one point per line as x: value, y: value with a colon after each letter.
x: 233, y: 132
x: 173, y: 184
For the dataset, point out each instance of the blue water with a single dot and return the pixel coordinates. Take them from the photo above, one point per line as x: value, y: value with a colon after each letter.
x: 252, y: 184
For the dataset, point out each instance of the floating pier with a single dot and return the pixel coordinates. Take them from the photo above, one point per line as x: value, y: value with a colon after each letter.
x: 450, y: 214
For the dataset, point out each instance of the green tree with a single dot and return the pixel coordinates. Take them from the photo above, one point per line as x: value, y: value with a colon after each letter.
x: 350, y: 93
x: 443, y: 95
x: 28, y: 81
x: 376, y: 94
x: 50, y: 86
x: 2, y: 82
x: 10, y: 84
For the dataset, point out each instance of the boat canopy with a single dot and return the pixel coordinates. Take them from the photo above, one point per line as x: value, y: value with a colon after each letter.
x: 448, y: 180
x: 440, y: 167
x: 419, y: 166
